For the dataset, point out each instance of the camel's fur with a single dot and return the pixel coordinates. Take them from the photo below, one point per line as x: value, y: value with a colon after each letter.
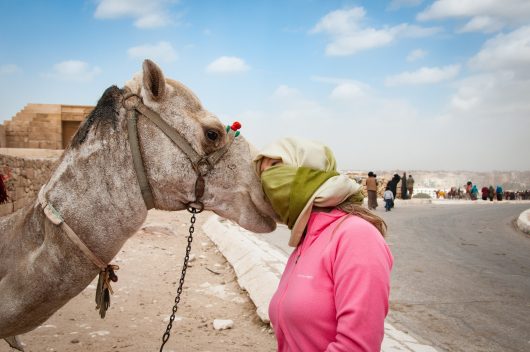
x: 94, y: 187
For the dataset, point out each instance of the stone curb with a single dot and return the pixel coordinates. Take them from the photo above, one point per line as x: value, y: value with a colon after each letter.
x: 259, y: 266
x: 523, y: 222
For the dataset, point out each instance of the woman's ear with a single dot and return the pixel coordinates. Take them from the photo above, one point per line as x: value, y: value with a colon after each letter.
x: 154, y: 81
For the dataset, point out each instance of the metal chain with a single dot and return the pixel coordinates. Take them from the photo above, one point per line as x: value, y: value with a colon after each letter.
x: 166, y: 335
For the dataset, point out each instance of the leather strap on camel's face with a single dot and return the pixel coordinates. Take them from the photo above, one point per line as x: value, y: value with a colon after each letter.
x: 202, y: 164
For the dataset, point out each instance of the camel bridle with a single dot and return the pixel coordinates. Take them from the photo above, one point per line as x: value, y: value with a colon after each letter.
x: 202, y: 164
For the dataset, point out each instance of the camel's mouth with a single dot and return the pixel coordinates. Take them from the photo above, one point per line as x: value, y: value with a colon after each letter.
x: 249, y: 216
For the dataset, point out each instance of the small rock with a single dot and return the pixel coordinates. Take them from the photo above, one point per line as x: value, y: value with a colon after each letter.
x: 74, y: 341
x: 222, y: 324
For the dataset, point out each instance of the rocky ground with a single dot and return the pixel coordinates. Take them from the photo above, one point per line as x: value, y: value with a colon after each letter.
x: 150, y: 266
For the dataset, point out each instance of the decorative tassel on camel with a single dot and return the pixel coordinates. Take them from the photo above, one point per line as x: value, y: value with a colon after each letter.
x: 3, y: 191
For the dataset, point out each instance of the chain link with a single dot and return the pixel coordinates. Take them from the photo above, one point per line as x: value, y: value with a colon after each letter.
x: 166, y: 335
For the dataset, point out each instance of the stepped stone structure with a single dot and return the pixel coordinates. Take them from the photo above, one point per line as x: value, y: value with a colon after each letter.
x: 43, y: 126
x: 3, y: 142
x: 30, y: 145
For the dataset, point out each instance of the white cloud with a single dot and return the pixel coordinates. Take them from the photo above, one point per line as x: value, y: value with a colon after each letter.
x: 484, y: 24
x: 339, y: 22
x: 341, y: 125
x: 344, y: 89
x: 491, y: 110
x: 486, y: 15
x: 74, y: 70
x: 416, y: 54
x: 397, y: 4
x: 349, y: 35
x: 498, y: 91
x: 509, y: 51
x: 162, y: 51
x: 147, y: 14
x: 347, y: 91
x: 9, y: 69
x: 425, y: 75
x: 493, y: 99
x: 487, y: 123
x: 227, y: 64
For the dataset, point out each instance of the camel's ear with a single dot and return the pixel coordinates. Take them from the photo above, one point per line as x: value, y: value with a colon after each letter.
x: 154, y: 81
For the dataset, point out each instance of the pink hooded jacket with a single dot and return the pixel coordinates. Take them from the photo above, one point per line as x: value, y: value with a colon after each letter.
x: 333, y: 294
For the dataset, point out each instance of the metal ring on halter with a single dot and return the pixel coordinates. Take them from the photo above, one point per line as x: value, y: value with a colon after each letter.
x: 203, y: 166
x: 195, y: 207
x: 126, y: 101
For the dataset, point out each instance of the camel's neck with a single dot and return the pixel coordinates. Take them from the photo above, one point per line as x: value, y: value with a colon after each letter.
x: 95, y: 189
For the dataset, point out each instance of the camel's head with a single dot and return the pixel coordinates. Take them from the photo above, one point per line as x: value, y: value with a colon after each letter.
x: 232, y: 189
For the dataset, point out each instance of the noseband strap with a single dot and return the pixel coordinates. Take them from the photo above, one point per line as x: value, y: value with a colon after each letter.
x: 202, y: 164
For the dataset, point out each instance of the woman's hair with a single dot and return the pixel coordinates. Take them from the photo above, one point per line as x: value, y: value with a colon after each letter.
x: 351, y: 206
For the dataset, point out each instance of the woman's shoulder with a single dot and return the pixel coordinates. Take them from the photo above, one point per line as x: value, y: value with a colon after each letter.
x: 360, y: 241
x: 354, y: 228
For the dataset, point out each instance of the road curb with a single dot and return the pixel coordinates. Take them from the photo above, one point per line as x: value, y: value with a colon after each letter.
x: 259, y: 266
x: 523, y: 221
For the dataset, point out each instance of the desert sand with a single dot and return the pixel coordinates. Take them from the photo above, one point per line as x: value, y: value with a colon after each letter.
x: 150, y: 267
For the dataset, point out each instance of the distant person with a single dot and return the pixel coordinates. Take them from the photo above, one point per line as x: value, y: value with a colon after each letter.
x: 404, y: 192
x: 474, y: 192
x: 491, y: 193
x: 333, y: 294
x: 392, y: 184
x: 485, y: 192
x: 469, y: 186
x: 499, y: 192
x: 388, y: 197
x: 410, y: 185
x: 371, y: 187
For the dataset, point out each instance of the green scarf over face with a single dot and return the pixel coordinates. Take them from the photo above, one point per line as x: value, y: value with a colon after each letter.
x: 289, y: 188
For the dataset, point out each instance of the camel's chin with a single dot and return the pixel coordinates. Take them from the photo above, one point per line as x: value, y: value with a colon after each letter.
x: 254, y: 222
x: 174, y: 206
x: 264, y: 225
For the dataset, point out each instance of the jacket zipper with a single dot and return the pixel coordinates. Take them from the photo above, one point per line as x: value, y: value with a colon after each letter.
x: 280, y: 301
x: 298, y: 256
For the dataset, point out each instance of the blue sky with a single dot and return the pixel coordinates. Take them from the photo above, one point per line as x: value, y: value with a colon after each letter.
x: 402, y: 84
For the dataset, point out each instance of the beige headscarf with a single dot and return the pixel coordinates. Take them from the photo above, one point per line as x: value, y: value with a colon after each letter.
x: 300, y: 152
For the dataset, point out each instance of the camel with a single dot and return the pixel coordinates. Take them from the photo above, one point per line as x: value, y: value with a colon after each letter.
x: 97, y: 192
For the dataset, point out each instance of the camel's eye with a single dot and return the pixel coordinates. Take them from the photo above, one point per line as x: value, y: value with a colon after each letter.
x: 212, y: 135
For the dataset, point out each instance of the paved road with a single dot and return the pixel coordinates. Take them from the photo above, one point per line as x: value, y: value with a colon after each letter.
x: 461, y: 279
x: 462, y: 276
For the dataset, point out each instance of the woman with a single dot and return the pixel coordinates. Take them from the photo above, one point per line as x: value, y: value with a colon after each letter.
x: 371, y: 187
x: 333, y: 294
x: 474, y: 192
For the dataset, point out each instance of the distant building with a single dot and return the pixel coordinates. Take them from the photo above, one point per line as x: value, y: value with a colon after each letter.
x: 43, y: 126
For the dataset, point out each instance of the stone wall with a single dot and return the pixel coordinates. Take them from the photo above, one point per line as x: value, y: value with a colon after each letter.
x: 3, y: 142
x: 26, y: 170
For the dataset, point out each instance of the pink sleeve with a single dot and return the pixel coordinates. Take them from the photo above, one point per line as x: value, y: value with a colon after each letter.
x: 360, y: 268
